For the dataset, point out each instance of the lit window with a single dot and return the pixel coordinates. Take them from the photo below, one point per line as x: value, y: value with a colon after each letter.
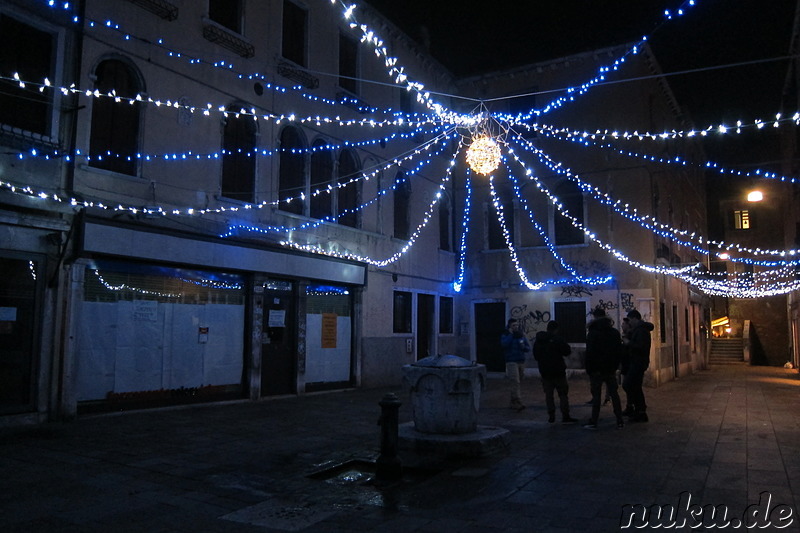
x: 741, y: 219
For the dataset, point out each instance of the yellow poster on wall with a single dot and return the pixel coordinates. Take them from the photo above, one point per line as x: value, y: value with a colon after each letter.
x: 329, y: 330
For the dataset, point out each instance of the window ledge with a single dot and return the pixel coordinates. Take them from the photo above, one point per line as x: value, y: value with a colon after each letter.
x: 297, y: 74
x: 13, y: 137
x: 97, y: 170
x: 162, y: 8
x: 226, y: 38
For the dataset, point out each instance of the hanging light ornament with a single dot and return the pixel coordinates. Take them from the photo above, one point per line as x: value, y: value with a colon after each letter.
x: 483, y: 155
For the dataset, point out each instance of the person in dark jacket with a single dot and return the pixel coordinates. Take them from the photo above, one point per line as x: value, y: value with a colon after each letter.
x: 603, y: 353
x: 515, y: 346
x: 549, y: 350
x: 639, y: 361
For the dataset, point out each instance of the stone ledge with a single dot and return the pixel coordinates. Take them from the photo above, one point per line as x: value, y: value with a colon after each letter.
x: 484, y: 441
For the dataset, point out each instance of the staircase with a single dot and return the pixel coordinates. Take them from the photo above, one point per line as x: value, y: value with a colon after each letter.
x: 726, y: 351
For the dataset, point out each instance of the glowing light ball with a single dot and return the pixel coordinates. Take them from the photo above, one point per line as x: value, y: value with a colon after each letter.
x: 483, y: 155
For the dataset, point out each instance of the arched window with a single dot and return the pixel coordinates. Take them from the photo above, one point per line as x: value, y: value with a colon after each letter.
x: 321, y: 177
x: 402, y: 198
x: 239, y: 158
x: 571, y: 198
x: 114, y: 140
x: 292, y: 178
x: 348, y: 193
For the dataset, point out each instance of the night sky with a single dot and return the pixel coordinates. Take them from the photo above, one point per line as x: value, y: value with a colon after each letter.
x: 475, y: 37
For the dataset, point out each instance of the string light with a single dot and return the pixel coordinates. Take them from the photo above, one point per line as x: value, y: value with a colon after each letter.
x: 236, y: 228
x: 178, y: 157
x: 427, y: 216
x: 483, y: 155
x: 586, y: 140
x: 593, y: 237
x: 681, y: 237
x: 462, y: 249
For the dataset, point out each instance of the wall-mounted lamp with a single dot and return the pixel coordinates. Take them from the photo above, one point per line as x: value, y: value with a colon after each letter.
x: 755, y: 196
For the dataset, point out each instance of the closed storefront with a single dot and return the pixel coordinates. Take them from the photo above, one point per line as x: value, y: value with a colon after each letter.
x: 155, y: 334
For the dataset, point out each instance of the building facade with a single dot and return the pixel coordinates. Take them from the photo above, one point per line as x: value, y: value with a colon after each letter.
x: 209, y: 200
x: 587, y: 157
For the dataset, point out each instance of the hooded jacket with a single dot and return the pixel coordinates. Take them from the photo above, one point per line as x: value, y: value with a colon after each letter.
x: 549, y: 351
x: 603, y: 347
x: 639, y: 345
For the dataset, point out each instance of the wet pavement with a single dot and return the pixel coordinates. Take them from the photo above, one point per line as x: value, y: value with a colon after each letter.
x: 728, y: 437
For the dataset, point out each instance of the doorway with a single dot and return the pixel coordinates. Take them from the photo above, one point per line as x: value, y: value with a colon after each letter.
x: 676, y: 352
x: 490, y: 321
x: 279, y: 343
x: 19, y: 296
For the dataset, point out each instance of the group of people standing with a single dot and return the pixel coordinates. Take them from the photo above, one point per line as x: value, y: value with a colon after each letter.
x: 607, y: 351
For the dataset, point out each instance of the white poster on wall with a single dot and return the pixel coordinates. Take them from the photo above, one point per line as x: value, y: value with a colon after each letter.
x: 145, y: 311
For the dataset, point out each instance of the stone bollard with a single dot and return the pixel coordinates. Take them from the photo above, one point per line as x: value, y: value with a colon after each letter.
x: 388, y: 466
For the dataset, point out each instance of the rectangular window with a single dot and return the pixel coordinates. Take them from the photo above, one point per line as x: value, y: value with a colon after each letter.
x: 401, y: 312
x: 741, y: 219
x: 227, y: 13
x: 571, y: 317
x: 445, y: 314
x: 348, y: 63
x: 662, y: 322
x: 565, y: 231
x: 28, y: 52
x: 294, y: 33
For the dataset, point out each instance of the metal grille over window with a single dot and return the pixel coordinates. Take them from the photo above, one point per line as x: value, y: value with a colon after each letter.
x: 162, y: 8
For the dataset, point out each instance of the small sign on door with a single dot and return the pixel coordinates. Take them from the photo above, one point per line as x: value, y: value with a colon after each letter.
x: 329, y: 330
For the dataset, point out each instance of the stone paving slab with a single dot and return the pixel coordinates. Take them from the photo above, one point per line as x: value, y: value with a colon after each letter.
x: 728, y: 436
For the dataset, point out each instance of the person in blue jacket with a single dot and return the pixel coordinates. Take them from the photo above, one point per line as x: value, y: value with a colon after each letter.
x: 515, y: 346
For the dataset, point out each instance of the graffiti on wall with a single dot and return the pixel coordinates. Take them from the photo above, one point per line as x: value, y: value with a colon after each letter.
x: 529, y: 319
x: 608, y: 306
x: 626, y: 300
x: 575, y: 291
